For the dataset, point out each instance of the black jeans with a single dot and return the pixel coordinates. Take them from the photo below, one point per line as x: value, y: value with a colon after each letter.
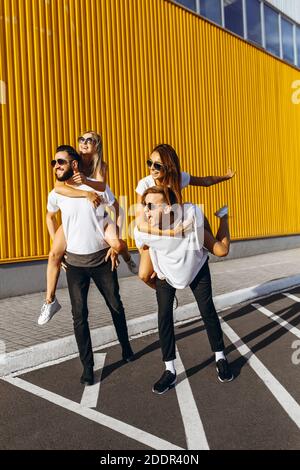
x: 201, y: 287
x: 107, y: 283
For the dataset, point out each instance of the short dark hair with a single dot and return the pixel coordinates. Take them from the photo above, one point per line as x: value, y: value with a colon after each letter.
x: 70, y: 151
x: 167, y: 193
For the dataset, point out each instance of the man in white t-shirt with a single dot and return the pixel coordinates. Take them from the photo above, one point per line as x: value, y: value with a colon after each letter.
x: 83, y: 226
x: 178, y: 262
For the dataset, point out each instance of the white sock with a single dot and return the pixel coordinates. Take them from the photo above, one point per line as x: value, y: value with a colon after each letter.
x: 170, y: 366
x: 219, y: 355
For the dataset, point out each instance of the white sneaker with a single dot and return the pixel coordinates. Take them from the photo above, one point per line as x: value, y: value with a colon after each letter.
x: 222, y: 211
x: 48, y: 310
x: 132, y: 266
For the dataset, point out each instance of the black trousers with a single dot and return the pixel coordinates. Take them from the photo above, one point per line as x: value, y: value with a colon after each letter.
x: 201, y: 287
x: 106, y: 281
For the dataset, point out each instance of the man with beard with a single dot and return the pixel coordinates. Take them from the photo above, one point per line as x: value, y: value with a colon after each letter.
x: 83, y: 226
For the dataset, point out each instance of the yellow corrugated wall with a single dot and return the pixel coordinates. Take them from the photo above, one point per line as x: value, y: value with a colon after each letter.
x: 142, y: 72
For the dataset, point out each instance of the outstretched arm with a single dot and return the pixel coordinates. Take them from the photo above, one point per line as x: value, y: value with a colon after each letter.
x: 211, y: 180
x: 71, y: 191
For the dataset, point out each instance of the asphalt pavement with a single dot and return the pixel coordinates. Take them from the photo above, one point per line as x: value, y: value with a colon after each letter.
x: 47, y: 408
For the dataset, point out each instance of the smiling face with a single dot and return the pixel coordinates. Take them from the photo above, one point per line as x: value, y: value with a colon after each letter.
x: 64, y: 166
x: 87, y: 144
x: 157, y: 170
x: 154, y: 208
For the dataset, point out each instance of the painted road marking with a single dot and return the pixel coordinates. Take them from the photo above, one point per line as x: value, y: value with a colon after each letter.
x: 93, y: 415
x: 287, y: 402
x: 295, y: 331
x: 292, y: 296
x: 91, y: 393
x: 194, y: 431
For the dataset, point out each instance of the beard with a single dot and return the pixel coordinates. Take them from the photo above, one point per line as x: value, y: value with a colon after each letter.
x: 66, y: 176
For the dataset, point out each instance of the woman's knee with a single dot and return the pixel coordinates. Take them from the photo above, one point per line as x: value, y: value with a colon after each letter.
x: 221, y: 250
x: 55, y: 257
x: 144, y: 276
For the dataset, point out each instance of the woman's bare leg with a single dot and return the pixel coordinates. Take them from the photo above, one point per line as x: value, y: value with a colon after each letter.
x: 54, y: 261
x: 207, y: 226
x: 111, y: 237
x: 146, y: 270
x: 119, y: 245
x: 223, y: 234
x: 219, y: 245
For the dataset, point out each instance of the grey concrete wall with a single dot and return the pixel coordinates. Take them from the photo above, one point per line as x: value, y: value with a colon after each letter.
x: 258, y: 246
x: 26, y: 278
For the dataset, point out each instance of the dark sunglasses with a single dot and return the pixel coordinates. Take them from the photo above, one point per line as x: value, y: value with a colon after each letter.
x: 151, y: 207
x: 156, y: 166
x: 89, y: 140
x: 60, y: 161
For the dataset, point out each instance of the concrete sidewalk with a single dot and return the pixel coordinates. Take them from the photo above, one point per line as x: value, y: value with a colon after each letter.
x: 18, y: 315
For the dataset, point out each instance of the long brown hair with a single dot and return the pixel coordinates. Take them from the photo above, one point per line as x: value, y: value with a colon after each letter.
x: 97, y: 163
x: 172, y: 172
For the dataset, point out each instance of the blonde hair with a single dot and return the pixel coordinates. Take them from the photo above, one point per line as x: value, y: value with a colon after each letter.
x: 97, y: 163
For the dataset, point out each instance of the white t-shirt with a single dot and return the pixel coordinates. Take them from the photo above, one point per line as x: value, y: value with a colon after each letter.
x: 149, y: 182
x: 175, y: 259
x: 82, y: 223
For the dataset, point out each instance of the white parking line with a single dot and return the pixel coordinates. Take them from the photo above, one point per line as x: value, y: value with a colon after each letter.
x: 292, y: 296
x: 194, y: 431
x: 91, y: 393
x: 93, y: 415
x: 292, y: 329
x: 287, y: 402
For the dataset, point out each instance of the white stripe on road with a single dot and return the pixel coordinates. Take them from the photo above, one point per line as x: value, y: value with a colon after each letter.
x: 292, y: 296
x: 100, y: 418
x: 194, y: 431
x: 91, y: 392
x: 287, y: 402
x: 292, y: 329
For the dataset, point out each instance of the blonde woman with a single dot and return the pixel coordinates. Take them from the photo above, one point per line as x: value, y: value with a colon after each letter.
x: 94, y: 174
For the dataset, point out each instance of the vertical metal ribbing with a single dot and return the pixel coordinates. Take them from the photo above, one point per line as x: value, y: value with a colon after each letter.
x: 142, y: 73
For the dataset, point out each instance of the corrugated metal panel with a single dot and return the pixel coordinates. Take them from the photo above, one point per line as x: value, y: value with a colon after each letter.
x: 142, y: 72
x: 290, y: 8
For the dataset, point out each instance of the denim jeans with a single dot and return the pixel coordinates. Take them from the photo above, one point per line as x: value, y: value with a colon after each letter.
x: 106, y: 281
x: 201, y: 288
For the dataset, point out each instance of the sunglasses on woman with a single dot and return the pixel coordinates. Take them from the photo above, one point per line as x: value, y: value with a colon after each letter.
x: 157, y: 166
x: 60, y: 161
x: 88, y: 140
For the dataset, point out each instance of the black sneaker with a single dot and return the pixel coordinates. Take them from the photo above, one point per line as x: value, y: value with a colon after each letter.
x: 127, y: 354
x: 224, y: 371
x: 87, y: 377
x: 167, y: 381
